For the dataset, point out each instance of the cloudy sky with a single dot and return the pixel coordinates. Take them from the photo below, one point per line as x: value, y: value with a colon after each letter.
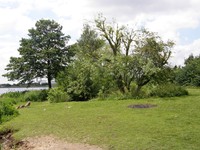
x: 178, y: 20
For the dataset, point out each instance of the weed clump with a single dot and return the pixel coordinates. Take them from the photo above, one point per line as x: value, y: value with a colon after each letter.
x: 36, y: 95
x: 56, y: 95
x: 7, y: 111
x: 168, y: 90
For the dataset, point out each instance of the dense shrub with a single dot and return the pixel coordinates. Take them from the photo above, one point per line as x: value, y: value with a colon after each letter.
x: 7, y: 111
x: 36, y: 95
x: 13, y: 97
x: 117, y: 95
x: 168, y: 90
x: 13, y: 94
x: 43, y: 94
x: 142, y: 93
x: 114, y: 94
x: 56, y: 95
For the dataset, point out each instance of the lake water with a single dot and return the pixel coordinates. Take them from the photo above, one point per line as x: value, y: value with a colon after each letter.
x: 6, y: 90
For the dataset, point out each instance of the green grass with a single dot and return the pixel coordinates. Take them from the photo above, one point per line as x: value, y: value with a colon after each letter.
x: 174, y: 124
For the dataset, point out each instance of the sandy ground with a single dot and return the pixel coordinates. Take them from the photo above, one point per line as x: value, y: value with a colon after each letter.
x: 52, y: 143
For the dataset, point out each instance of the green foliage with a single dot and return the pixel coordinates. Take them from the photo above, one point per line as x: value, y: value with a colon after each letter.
x: 56, y: 95
x: 43, y: 54
x: 43, y: 94
x: 190, y: 73
x: 89, y: 43
x: 36, y: 95
x: 12, y: 94
x: 13, y: 97
x: 168, y: 90
x: 139, y: 56
x: 77, y: 81
x: 33, y: 95
x: 117, y: 95
x: 83, y: 78
x: 7, y: 111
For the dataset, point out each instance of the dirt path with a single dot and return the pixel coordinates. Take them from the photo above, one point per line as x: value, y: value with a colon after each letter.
x: 52, y: 143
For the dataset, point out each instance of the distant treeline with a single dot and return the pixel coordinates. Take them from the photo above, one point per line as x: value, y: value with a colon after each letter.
x: 7, y: 85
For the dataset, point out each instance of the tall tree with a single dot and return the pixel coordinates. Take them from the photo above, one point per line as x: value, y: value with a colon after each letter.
x: 42, y: 55
x: 120, y: 40
x: 139, y: 55
x: 151, y: 56
x: 81, y: 79
x: 89, y: 44
x: 190, y: 73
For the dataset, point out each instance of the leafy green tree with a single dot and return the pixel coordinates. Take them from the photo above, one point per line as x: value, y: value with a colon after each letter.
x: 190, y: 73
x: 138, y: 56
x: 77, y: 81
x: 42, y: 55
x: 81, y: 79
x: 150, y: 58
x: 120, y: 40
x: 89, y: 44
x: 111, y: 32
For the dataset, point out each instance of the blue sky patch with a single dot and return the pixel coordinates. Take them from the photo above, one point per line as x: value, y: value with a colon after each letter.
x: 39, y: 14
x: 188, y: 35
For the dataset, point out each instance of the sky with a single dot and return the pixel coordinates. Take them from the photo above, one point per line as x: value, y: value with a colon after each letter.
x: 177, y: 20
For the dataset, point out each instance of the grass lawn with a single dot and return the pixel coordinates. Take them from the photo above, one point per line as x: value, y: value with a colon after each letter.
x: 173, y: 125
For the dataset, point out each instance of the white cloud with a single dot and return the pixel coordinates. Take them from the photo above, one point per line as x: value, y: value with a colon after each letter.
x: 182, y: 52
x: 167, y: 25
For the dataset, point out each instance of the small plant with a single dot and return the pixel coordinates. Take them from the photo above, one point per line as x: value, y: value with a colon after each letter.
x: 12, y: 94
x: 43, y: 94
x: 169, y: 90
x: 36, y: 96
x: 143, y: 93
x: 7, y: 111
x: 13, y: 97
x: 56, y: 95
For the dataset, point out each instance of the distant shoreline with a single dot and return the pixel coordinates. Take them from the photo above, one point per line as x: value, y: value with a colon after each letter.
x: 20, y: 89
x: 23, y: 86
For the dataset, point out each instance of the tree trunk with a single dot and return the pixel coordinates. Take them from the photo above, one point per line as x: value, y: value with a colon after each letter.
x: 120, y: 84
x: 49, y: 74
x: 49, y: 83
x: 137, y: 90
x: 49, y: 80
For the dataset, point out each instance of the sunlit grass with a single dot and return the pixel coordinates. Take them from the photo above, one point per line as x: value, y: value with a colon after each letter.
x: 174, y: 124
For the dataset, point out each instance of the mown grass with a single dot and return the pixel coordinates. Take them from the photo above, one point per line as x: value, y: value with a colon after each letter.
x: 173, y: 124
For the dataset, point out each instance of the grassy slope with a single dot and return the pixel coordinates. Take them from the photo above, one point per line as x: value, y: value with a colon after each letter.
x: 173, y: 125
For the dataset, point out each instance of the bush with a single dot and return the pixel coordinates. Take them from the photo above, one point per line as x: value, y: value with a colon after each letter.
x: 114, y: 94
x: 13, y: 97
x: 43, y: 94
x: 168, y: 90
x: 12, y: 94
x: 7, y: 111
x: 36, y: 95
x: 56, y: 95
x: 143, y: 93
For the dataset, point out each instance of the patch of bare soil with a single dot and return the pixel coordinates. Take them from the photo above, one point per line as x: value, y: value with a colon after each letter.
x: 6, y: 140
x: 46, y: 143
x: 52, y: 143
x: 142, y: 106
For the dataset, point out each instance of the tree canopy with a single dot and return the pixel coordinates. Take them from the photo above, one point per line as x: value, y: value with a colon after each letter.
x: 42, y: 55
x: 139, y: 55
x: 81, y: 79
x: 190, y: 73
